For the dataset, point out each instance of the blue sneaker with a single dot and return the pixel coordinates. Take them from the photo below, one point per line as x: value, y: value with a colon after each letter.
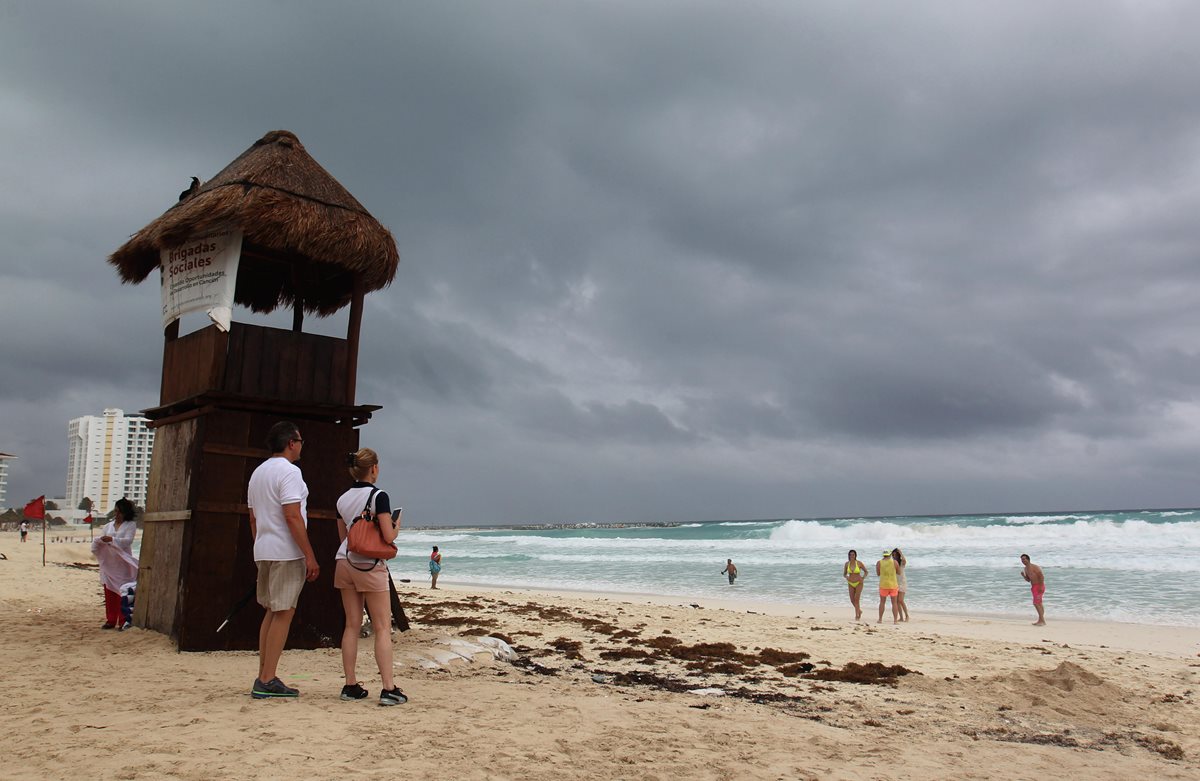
x: 272, y: 688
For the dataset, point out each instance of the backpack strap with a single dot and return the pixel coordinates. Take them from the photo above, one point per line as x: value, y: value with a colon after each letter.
x: 368, y: 507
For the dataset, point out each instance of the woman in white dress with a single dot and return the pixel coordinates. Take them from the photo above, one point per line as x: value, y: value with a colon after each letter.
x: 114, y: 551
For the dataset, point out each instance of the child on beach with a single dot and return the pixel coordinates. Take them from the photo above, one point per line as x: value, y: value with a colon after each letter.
x: 128, y: 591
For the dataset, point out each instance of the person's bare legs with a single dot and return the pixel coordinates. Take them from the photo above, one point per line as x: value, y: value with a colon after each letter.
x: 903, y: 607
x: 895, y: 611
x: 433, y: 576
x: 882, y: 602
x: 1041, y: 615
x: 379, y: 605
x: 272, y: 636
x: 855, y: 599
x: 352, y: 604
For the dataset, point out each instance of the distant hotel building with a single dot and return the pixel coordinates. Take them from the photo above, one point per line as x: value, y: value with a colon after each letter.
x: 108, y: 457
x: 4, y: 457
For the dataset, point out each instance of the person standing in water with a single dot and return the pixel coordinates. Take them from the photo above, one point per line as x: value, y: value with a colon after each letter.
x: 901, y: 582
x: 855, y: 574
x: 1037, y: 585
x: 885, y: 568
x: 730, y: 570
x: 435, y: 566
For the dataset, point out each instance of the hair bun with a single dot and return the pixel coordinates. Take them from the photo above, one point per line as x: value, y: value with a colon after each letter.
x: 352, y: 460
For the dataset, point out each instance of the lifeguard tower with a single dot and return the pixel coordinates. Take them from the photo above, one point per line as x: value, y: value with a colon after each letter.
x: 273, y: 229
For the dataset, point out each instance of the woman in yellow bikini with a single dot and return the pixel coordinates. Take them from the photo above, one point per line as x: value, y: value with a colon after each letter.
x: 854, y: 573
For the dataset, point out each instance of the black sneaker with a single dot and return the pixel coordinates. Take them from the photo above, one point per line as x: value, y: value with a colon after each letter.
x: 393, y: 697
x: 272, y: 688
x: 354, y: 692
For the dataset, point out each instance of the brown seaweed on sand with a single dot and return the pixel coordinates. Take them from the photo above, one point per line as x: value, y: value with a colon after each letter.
x: 871, y: 672
x: 569, y: 648
x: 613, y: 654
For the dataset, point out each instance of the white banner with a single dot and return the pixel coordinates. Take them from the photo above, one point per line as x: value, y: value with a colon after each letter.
x: 201, y: 276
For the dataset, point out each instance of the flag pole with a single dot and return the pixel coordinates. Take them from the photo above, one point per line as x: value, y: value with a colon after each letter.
x: 35, y: 511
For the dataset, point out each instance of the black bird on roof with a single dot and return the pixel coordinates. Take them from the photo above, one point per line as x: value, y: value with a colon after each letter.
x: 189, y: 192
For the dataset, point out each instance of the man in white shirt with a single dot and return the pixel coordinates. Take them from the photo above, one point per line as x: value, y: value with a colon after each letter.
x: 278, y: 501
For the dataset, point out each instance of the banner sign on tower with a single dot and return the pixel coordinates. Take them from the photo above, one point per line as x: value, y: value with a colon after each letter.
x: 200, y: 276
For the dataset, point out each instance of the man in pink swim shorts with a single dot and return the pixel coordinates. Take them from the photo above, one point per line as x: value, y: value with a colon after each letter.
x: 1037, y: 585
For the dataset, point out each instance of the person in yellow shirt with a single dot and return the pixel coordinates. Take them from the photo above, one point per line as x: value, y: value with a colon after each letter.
x: 885, y: 568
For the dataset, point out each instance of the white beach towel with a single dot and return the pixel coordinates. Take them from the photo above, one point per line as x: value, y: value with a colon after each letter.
x: 117, y: 565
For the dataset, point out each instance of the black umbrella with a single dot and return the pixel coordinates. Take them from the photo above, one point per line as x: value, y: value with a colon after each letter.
x: 241, y: 603
x: 398, y: 617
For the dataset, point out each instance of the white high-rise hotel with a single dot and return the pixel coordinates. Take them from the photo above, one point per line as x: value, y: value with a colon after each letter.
x: 4, y: 457
x: 108, y: 457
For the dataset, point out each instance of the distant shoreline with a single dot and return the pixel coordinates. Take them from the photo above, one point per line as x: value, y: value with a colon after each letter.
x: 671, y: 524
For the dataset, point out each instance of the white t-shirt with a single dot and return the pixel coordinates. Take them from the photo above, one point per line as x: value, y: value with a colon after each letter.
x: 276, y: 482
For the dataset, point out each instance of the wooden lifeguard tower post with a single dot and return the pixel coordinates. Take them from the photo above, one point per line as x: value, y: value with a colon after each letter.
x: 305, y: 243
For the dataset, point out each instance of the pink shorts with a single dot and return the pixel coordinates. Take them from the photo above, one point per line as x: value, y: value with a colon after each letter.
x: 347, y: 576
x: 1038, y: 590
x: 888, y: 592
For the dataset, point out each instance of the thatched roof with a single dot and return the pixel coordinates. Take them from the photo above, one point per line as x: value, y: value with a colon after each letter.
x: 304, y: 235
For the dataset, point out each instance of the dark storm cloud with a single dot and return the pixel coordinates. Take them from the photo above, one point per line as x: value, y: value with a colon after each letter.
x: 662, y: 259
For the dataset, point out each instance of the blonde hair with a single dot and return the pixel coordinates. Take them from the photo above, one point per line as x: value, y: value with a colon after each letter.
x: 360, y: 463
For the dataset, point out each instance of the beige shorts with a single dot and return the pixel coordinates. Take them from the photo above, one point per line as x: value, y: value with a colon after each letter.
x: 279, y: 583
x: 346, y: 576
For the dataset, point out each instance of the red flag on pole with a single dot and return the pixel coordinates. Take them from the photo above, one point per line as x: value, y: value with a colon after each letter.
x: 88, y: 519
x: 36, y: 510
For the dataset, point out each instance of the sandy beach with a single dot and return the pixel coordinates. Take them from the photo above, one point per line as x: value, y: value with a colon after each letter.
x: 604, y: 687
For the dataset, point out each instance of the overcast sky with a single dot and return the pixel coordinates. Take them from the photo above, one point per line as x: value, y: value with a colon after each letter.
x: 659, y: 260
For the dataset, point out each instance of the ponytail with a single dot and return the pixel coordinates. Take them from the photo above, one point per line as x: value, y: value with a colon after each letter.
x: 360, y: 462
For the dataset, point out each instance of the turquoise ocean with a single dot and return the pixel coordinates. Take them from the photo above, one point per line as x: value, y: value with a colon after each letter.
x: 1135, y: 566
